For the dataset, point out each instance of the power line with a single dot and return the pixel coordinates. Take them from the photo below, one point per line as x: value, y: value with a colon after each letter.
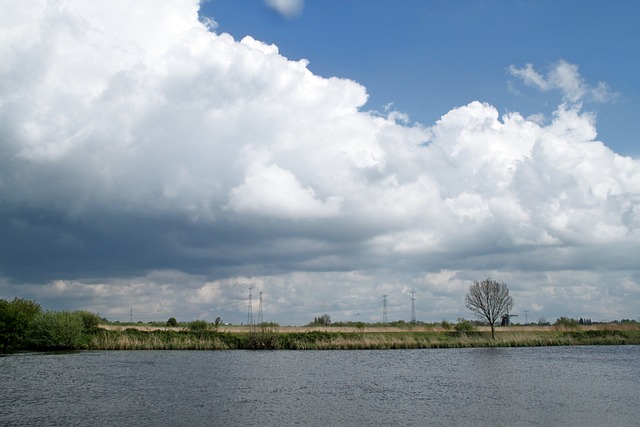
x: 250, y: 310
x: 260, y: 320
x: 385, y: 318
x: 413, y: 305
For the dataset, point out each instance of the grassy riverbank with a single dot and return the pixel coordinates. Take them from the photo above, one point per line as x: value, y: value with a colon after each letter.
x: 24, y: 326
x: 134, y: 339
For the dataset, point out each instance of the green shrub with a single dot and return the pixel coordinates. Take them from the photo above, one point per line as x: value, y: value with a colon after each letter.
x: 198, y: 326
x: 567, y: 323
x: 89, y: 320
x: 57, y: 330
x: 172, y: 322
x: 16, y: 318
x: 464, y: 325
x: 265, y: 340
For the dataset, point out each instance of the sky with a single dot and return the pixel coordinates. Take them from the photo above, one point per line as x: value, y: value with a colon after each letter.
x: 165, y: 158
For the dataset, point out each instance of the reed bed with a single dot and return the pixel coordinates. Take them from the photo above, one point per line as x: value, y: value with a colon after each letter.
x: 132, y: 339
x: 153, y: 340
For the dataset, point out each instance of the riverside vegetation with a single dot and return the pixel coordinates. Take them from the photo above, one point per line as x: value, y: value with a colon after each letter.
x: 23, y: 325
x: 133, y: 339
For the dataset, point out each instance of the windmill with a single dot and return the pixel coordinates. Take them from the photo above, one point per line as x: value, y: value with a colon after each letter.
x: 506, y: 319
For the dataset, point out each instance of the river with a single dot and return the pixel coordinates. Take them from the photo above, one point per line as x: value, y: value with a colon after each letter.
x: 540, y: 386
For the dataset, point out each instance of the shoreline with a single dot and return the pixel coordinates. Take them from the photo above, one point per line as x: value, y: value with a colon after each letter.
x: 131, y: 338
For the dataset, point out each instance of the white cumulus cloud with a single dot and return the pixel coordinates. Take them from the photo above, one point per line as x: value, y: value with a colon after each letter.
x: 275, y: 191
x: 147, y: 160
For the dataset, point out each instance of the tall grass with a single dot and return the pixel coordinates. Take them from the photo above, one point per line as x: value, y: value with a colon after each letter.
x: 132, y: 339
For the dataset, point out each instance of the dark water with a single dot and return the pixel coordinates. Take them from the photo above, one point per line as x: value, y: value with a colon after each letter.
x: 547, y: 386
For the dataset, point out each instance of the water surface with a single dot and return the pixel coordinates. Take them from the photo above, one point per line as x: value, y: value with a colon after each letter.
x: 542, y: 386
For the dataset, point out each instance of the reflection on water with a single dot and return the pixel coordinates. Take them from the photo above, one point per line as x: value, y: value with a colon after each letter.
x: 500, y: 386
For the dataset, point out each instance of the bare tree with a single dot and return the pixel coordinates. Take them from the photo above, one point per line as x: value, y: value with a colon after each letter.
x: 489, y: 300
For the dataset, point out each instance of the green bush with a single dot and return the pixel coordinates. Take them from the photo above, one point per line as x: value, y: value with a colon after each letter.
x: 265, y: 340
x: 16, y: 318
x: 464, y: 325
x: 89, y: 320
x: 198, y: 326
x: 567, y: 322
x: 58, y: 330
x: 445, y: 325
x: 172, y: 322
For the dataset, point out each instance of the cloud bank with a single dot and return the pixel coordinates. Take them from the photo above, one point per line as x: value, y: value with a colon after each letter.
x: 148, y: 162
